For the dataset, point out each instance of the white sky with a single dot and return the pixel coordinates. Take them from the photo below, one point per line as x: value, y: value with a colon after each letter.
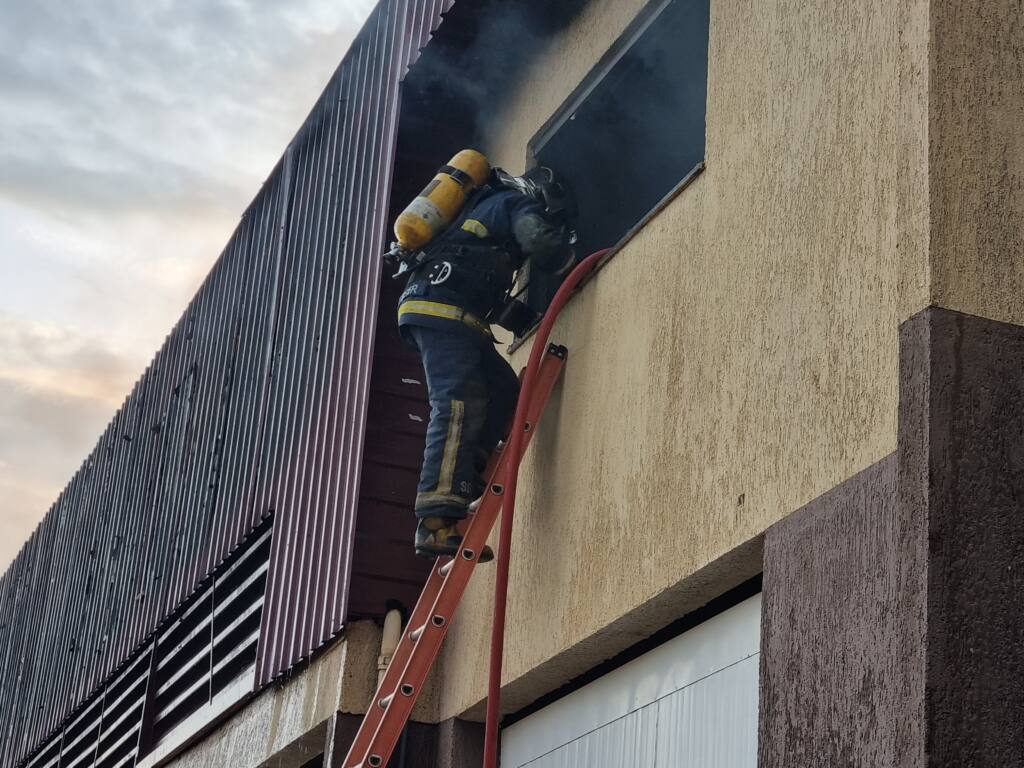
x: 132, y: 137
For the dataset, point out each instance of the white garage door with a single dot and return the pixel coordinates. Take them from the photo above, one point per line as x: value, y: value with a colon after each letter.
x: 690, y: 703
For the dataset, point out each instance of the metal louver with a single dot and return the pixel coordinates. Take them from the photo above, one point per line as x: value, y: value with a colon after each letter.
x: 206, y: 645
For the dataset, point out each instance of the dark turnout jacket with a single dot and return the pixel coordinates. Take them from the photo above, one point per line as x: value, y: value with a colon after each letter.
x: 472, y: 264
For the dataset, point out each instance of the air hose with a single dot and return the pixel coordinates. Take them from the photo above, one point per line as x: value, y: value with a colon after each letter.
x: 515, y: 449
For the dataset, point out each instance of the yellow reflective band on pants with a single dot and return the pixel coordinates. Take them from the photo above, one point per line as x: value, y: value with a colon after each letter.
x: 447, y: 311
x: 434, y: 499
x: 451, y: 447
x: 453, y: 440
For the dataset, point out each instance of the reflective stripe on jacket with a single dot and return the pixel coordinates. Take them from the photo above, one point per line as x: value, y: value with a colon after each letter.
x: 471, y: 265
x: 423, y: 312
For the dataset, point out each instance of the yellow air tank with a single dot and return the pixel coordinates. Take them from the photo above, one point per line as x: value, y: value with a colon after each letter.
x: 442, y: 199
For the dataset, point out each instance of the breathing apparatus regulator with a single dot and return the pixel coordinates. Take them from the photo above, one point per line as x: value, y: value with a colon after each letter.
x: 443, y: 199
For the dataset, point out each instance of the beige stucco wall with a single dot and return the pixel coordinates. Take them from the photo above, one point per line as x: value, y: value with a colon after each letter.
x: 739, y: 356
x: 976, y: 123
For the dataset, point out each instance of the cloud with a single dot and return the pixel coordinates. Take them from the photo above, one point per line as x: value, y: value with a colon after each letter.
x: 52, y: 410
x: 59, y: 361
x: 132, y: 136
x: 110, y: 104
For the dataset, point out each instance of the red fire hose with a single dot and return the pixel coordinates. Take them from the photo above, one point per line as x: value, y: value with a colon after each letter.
x: 515, y: 448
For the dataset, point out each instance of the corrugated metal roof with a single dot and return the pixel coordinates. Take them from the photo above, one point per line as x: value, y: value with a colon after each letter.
x: 255, y: 404
x: 343, y: 167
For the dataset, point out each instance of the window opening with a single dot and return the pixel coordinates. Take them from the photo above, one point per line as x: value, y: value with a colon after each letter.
x: 633, y: 129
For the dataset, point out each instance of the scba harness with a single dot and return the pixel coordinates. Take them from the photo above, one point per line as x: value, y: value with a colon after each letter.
x: 479, y: 273
x: 447, y: 265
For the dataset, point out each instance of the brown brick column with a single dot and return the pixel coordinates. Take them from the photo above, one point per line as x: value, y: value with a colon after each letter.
x: 966, y: 474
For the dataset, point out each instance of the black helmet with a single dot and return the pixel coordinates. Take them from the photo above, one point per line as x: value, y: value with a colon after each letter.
x: 553, y: 191
x: 541, y: 183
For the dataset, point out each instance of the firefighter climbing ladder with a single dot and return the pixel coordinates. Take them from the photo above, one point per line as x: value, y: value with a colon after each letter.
x: 393, y: 702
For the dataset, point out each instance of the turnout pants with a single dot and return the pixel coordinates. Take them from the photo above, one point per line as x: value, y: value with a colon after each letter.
x: 473, y: 393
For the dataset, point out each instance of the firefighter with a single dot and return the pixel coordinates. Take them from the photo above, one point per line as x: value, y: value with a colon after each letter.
x: 459, y: 284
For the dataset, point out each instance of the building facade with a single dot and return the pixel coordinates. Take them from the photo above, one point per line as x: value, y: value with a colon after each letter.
x: 773, y: 514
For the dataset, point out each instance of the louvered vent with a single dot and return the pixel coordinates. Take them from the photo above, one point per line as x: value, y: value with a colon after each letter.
x: 205, y: 645
x: 213, y: 640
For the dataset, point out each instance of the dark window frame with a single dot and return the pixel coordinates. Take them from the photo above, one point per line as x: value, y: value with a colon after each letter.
x: 605, y: 65
x: 622, y: 45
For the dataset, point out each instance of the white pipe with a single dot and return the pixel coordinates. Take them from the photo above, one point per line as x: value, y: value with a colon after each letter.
x: 389, y: 640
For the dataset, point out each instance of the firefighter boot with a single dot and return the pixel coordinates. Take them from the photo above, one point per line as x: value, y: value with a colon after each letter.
x: 440, y: 537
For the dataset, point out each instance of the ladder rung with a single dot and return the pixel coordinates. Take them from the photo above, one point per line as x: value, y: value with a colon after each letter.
x: 383, y: 703
x: 417, y: 633
x: 445, y: 569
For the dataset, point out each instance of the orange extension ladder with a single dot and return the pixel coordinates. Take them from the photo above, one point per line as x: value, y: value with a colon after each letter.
x: 393, y: 702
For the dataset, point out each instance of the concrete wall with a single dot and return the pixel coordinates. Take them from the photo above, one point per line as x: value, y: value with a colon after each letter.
x: 739, y: 357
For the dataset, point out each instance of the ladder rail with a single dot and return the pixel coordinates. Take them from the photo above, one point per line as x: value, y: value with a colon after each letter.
x: 418, y: 618
x: 397, y: 664
x: 396, y: 696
